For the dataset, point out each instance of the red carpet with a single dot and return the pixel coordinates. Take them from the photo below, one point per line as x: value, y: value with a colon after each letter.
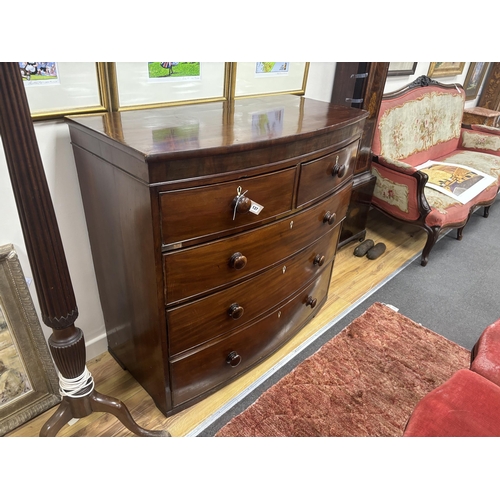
x: 364, y: 382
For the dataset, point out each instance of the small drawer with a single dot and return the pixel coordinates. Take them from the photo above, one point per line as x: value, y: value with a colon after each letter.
x: 192, y: 324
x: 319, y: 177
x: 205, y: 369
x: 209, y: 267
x: 187, y: 214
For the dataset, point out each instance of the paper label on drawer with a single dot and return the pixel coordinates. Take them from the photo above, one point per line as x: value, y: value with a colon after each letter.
x: 256, y: 208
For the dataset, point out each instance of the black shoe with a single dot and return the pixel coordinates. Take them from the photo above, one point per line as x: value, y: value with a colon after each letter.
x: 376, y: 251
x: 360, y: 250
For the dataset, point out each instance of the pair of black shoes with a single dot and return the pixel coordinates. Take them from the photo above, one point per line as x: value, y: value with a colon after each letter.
x: 369, y: 249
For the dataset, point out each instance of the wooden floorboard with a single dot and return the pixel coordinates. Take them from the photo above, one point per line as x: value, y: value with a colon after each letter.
x: 352, y: 278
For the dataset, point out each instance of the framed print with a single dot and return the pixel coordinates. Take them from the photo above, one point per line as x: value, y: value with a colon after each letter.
x: 261, y: 78
x: 457, y: 181
x: 154, y: 84
x: 402, y: 68
x: 56, y: 89
x: 474, y: 79
x: 28, y: 381
x: 437, y: 69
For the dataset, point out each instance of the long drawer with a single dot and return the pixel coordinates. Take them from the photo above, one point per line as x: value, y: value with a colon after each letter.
x: 205, y: 319
x: 207, y: 368
x: 211, y: 207
x: 231, y: 259
x: 319, y: 177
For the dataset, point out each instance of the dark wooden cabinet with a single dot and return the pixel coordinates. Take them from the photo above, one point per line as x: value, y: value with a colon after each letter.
x: 490, y: 95
x: 214, y: 229
x: 481, y: 116
x: 360, y: 85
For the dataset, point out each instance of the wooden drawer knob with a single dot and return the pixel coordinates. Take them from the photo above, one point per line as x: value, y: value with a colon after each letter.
x: 311, y: 302
x: 233, y: 359
x: 236, y: 311
x: 243, y: 204
x: 329, y: 217
x: 319, y: 260
x: 237, y: 261
x: 338, y: 170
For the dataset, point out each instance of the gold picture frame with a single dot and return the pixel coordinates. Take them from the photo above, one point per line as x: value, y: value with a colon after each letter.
x: 134, y: 85
x: 439, y: 69
x: 29, y: 383
x: 73, y: 88
x: 248, y: 81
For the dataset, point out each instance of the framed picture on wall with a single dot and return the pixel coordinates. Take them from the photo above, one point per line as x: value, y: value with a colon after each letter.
x: 263, y: 78
x: 28, y: 380
x: 56, y: 89
x: 402, y: 68
x: 136, y: 85
x: 474, y: 79
x: 437, y: 69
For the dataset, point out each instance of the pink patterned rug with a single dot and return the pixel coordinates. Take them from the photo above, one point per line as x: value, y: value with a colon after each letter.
x: 364, y: 382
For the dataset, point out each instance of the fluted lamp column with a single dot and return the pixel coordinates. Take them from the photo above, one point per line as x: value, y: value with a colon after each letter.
x: 48, y: 263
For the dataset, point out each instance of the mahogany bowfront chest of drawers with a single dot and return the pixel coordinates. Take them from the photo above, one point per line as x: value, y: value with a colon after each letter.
x: 213, y: 229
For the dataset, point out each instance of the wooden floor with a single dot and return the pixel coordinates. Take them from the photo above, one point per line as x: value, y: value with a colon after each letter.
x: 352, y: 278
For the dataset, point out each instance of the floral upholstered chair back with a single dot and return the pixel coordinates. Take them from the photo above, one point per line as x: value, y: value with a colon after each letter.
x: 419, y: 124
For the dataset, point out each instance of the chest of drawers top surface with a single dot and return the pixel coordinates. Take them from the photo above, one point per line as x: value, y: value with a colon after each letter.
x: 172, y: 143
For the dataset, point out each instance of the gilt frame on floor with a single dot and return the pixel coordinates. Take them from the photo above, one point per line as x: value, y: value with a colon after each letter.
x: 28, y: 380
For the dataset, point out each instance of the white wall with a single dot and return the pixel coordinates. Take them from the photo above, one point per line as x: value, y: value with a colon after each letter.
x: 320, y: 81
x: 54, y: 143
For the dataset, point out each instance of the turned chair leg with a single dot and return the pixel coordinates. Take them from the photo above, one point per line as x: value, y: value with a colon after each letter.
x: 432, y: 237
x: 486, y: 211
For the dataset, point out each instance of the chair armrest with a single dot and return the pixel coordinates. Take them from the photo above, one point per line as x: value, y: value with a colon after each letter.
x: 400, y: 192
x: 397, y: 165
x: 485, y: 128
x: 485, y: 355
x: 482, y: 142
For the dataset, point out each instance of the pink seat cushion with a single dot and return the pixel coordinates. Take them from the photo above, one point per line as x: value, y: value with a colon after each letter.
x: 487, y: 353
x: 466, y: 405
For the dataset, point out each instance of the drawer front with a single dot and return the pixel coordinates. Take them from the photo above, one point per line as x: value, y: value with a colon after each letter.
x: 208, y: 210
x: 195, y: 271
x: 319, y: 177
x: 206, y: 319
x: 207, y: 368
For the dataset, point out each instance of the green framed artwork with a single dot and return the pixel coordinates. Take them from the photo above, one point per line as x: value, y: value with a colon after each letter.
x: 141, y: 85
x: 57, y: 89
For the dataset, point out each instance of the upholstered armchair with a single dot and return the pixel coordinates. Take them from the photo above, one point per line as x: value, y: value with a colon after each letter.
x: 422, y: 122
x: 467, y: 404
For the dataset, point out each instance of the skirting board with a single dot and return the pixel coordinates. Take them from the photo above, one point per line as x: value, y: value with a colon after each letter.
x: 96, y: 346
